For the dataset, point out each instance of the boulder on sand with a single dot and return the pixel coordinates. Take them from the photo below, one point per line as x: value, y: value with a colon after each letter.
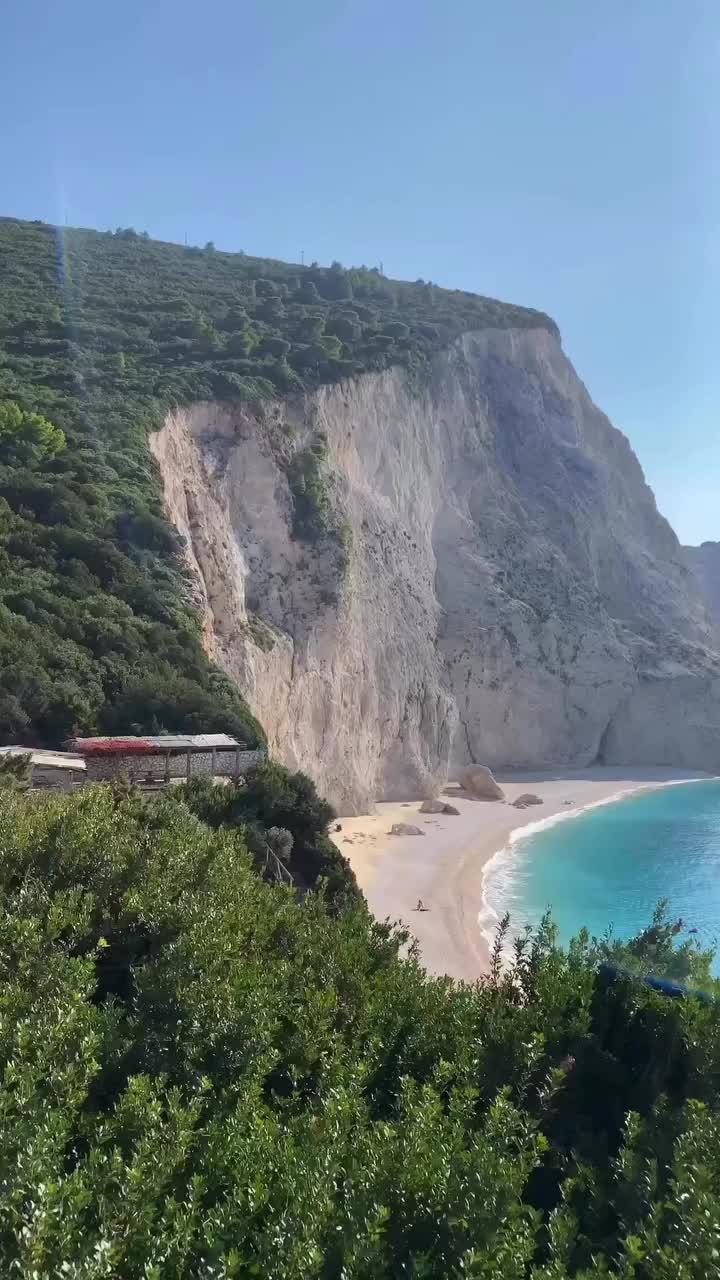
x: 405, y: 829
x: 479, y: 782
x: 525, y: 800
x: 438, y: 806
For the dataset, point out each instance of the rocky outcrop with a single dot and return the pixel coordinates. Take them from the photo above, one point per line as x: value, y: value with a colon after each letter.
x: 526, y: 800
x: 405, y: 829
x: 439, y: 806
x: 704, y: 563
x: 479, y: 782
x: 483, y: 577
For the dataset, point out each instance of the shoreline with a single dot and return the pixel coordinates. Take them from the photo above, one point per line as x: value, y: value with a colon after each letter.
x: 445, y: 867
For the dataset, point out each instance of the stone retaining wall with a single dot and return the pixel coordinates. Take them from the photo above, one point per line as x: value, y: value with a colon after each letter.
x: 138, y: 767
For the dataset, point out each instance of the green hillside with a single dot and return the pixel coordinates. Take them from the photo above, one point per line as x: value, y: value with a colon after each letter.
x: 99, y: 334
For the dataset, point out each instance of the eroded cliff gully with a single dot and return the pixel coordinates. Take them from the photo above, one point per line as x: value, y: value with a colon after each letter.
x: 704, y: 563
x: 495, y: 585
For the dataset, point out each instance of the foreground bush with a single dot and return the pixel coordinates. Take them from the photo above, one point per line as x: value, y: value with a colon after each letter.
x: 272, y: 796
x: 205, y: 1076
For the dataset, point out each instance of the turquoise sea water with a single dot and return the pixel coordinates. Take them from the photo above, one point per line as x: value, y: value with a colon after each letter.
x: 610, y: 865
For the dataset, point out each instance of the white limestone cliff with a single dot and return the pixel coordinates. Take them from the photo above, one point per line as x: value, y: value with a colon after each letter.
x: 704, y: 563
x: 499, y: 586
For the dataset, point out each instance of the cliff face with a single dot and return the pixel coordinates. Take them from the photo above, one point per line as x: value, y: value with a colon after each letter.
x: 704, y: 563
x: 496, y: 586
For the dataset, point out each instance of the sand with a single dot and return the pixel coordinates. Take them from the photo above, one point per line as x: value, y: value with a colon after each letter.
x: 444, y: 867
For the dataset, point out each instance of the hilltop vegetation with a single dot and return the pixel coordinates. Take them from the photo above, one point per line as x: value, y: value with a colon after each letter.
x: 99, y: 335
x: 147, y: 318
x: 206, y: 1076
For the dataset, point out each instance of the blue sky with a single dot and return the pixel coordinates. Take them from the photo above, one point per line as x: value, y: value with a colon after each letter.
x: 556, y: 153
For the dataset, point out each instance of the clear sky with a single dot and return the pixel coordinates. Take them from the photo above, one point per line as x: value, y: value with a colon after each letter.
x: 557, y: 153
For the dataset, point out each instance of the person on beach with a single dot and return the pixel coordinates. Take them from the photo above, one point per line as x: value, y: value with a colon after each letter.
x: 421, y: 906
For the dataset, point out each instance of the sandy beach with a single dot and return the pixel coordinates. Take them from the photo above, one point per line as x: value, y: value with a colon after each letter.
x: 444, y: 867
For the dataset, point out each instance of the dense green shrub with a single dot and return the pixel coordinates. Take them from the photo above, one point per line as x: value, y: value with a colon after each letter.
x: 307, y: 477
x: 203, y: 1076
x: 27, y: 437
x: 272, y: 796
x: 15, y: 772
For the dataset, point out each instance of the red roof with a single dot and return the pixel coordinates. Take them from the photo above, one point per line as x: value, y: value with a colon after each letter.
x: 125, y: 744
x: 114, y: 746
